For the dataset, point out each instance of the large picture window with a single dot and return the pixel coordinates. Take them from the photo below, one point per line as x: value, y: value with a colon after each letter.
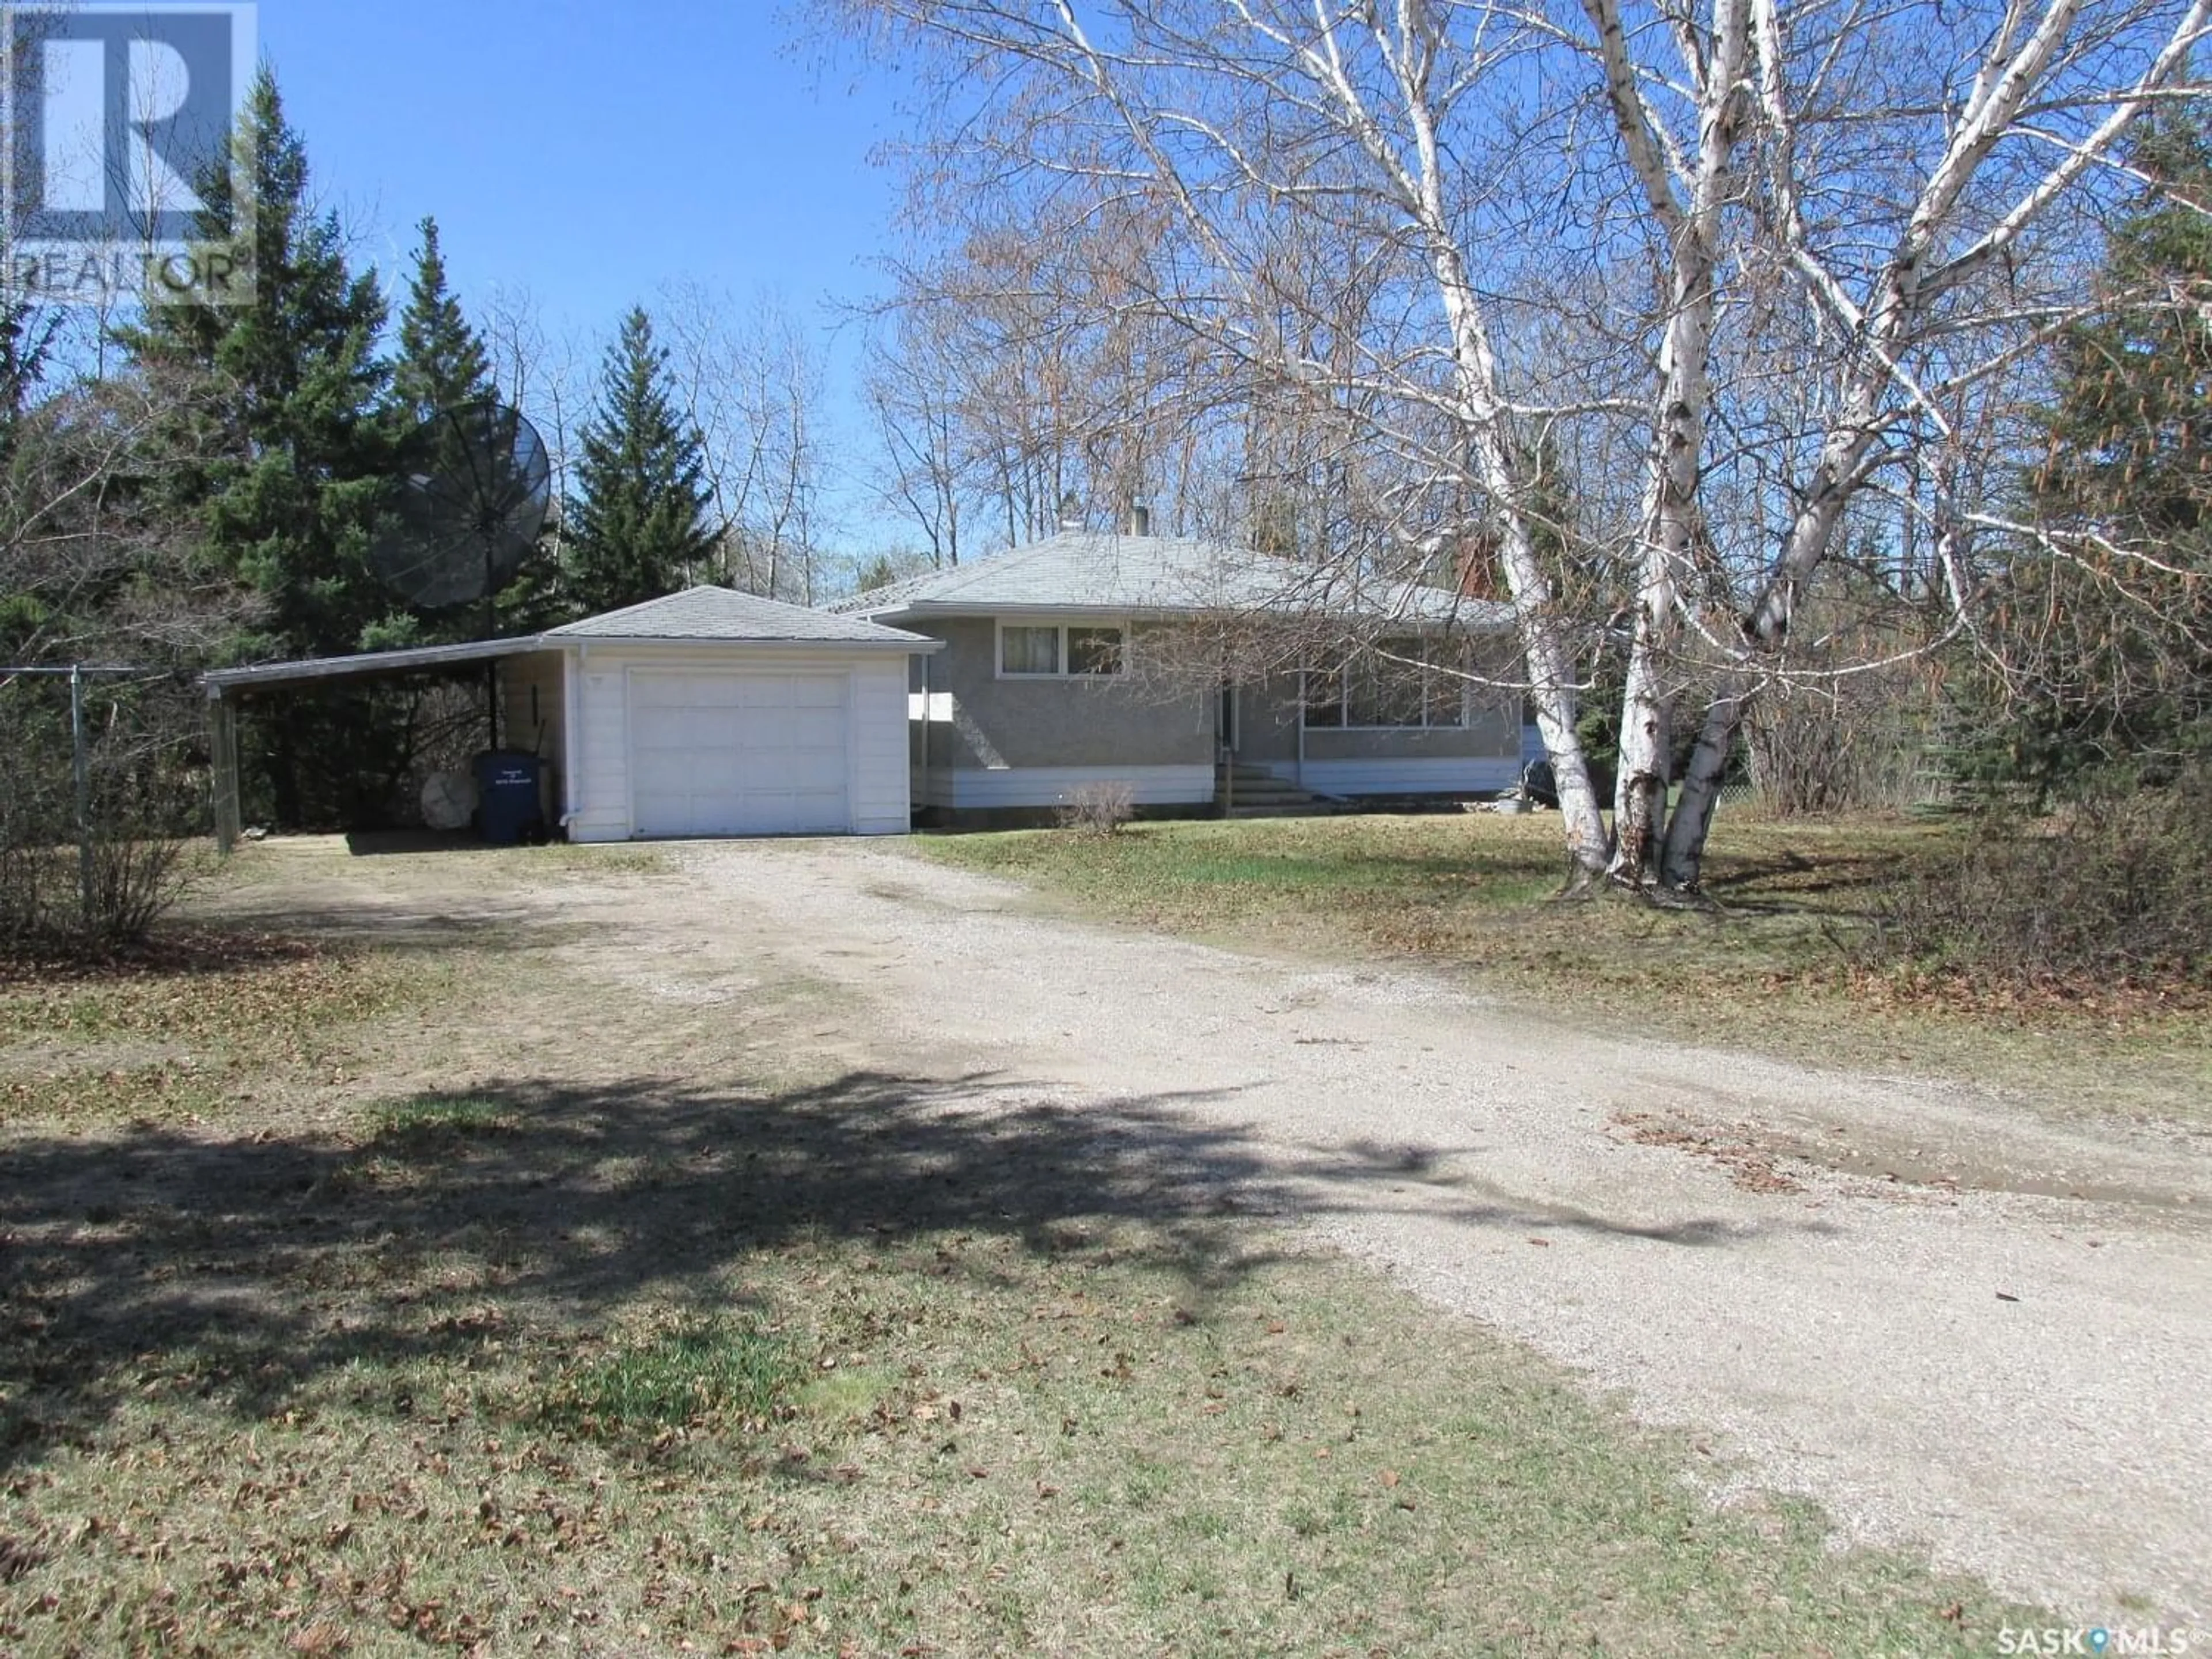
x: 1061, y: 650
x: 1399, y: 685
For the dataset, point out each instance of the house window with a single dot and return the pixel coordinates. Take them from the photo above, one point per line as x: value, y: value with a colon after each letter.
x: 1028, y: 651
x: 1399, y: 686
x: 1094, y: 650
x: 1324, y: 697
x: 1060, y: 651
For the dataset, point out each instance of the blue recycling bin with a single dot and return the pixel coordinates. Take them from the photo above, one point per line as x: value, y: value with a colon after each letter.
x: 509, y: 804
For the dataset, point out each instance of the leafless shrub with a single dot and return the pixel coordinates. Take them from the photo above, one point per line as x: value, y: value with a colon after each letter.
x: 1098, y: 809
x: 1847, y: 745
x: 56, y: 895
x: 1851, y: 727
x: 2110, y: 894
x: 134, y: 884
x: 108, y: 879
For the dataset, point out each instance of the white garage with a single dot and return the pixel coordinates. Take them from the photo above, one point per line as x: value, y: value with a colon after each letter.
x: 706, y: 713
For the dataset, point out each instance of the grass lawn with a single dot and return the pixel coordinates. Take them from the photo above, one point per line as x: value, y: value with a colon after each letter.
x: 1474, y: 894
x: 676, y: 1357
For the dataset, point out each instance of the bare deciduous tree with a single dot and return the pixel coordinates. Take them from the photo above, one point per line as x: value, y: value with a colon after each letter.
x: 99, y: 774
x: 752, y: 380
x: 1797, y: 253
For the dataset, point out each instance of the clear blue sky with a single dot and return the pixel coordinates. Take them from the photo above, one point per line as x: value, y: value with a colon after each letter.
x: 594, y: 152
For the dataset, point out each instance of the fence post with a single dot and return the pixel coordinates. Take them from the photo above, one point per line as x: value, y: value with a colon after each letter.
x: 222, y: 721
x: 81, y: 765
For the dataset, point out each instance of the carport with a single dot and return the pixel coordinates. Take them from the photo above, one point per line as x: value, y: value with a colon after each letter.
x: 709, y: 713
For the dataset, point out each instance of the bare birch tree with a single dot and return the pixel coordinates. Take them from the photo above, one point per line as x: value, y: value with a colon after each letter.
x: 751, y: 379
x: 1925, y: 184
x: 926, y: 476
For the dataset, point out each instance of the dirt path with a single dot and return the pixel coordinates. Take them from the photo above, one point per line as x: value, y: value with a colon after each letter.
x: 1958, y: 1327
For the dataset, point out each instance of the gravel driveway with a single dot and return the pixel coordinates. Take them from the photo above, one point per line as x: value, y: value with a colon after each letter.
x: 1881, y: 1293
x: 1963, y: 1325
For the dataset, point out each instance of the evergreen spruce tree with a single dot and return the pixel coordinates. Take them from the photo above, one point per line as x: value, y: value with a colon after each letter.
x: 279, y: 451
x: 282, y: 451
x: 442, y: 363
x: 638, y: 522
x: 442, y: 366
x: 2112, y: 653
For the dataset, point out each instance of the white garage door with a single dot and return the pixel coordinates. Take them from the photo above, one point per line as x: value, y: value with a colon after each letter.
x: 739, y: 753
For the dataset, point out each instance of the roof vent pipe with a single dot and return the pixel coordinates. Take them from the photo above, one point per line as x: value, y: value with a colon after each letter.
x: 1140, y: 519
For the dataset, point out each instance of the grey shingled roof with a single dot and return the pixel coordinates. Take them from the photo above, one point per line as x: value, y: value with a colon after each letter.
x: 713, y: 614
x: 719, y: 614
x: 1079, y: 571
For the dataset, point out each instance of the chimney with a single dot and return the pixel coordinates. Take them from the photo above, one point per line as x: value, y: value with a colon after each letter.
x: 1071, y: 513
x: 1474, y: 573
x: 1140, y: 519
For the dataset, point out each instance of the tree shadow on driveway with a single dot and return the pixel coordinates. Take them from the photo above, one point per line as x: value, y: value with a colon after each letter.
x: 1438, y: 1183
x: 246, y: 1270
x: 260, y: 1265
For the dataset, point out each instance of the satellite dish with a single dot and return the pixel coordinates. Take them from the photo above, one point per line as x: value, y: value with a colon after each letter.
x: 472, y: 489
x: 449, y: 800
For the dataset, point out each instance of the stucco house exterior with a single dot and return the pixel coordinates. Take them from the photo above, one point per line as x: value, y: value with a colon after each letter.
x: 1082, y: 659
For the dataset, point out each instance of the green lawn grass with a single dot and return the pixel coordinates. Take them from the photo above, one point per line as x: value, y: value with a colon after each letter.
x: 1770, y: 967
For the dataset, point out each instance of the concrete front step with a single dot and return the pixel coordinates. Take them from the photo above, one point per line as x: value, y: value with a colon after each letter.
x: 1254, y: 780
x: 1255, y: 793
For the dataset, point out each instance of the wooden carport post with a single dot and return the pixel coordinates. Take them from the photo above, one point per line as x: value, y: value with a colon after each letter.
x: 223, y: 747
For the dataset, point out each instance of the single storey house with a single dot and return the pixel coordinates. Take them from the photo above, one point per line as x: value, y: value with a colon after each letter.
x: 707, y: 713
x: 1084, y: 658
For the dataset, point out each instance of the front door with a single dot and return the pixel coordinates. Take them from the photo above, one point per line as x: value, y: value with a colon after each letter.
x: 1227, y: 728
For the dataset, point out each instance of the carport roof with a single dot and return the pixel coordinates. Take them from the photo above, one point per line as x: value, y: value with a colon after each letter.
x: 412, y: 659
x: 701, y: 616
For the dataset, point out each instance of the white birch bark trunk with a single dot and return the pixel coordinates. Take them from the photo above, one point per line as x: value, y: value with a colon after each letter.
x: 1671, y: 527
x: 1898, y: 310
x: 1767, y: 626
x: 1503, y: 470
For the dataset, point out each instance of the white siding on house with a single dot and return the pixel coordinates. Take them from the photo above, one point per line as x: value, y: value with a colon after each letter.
x: 877, y: 791
x: 978, y: 788
x: 882, y: 804
x: 534, y: 705
x: 1411, y: 774
x: 600, y: 803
